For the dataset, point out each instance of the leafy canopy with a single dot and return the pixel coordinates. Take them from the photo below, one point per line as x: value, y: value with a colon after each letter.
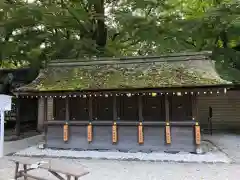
x: 41, y: 30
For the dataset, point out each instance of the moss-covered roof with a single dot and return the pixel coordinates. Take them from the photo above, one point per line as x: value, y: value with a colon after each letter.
x: 142, y: 72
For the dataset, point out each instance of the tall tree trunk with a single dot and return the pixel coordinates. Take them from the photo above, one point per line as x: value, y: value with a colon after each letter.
x: 224, y: 39
x: 101, y: 31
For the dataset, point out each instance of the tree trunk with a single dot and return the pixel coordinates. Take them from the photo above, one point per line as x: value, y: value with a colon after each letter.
x: 101, y: 31
x: 224, y: 39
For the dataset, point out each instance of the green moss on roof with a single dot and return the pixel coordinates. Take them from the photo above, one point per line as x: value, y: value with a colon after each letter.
x: 122, y: 76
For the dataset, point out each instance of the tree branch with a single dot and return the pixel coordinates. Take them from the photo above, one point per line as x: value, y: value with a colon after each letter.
x: 73, y: 15
x: 190, y: 43
x: 84, y: 6
x: 115, y: 36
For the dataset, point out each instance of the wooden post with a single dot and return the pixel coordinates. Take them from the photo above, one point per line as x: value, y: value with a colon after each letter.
x: 45, y: 121
x: 67, y: 118
x: 16, y: 170
x: 90, y: 114
x: 167, y: 128
x: 90, y: 109
x: 194, y: 107
x: 67, y: 115
x: 18, y: 122
x: 140, y: 116
x: 167, y: 109
x: 114, y: 126
x: 50, y: 107
x: 114, y: 108
x: 197, y: 129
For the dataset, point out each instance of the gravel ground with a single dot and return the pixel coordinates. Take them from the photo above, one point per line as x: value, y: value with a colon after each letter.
x: 210, y: 157
x: 14, y: 146
x: 143, y: 170
x: 133, y: 170
x: 228, y: 143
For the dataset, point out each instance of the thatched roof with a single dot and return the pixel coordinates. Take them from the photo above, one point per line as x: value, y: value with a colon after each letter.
x: 179, y: 70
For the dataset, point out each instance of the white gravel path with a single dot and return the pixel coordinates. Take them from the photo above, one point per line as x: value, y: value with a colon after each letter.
x: 210, y: 157
x: 141, y: 170
x: 14, y: 146
x: 228, y: 143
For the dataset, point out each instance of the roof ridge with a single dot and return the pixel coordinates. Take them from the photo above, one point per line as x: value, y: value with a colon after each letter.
x: 128, y: 61
x: 132, y: 58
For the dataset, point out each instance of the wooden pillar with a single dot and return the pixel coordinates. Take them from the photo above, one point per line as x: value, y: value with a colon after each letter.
x: 167, y: 128
x: 90, y: 108
x: 45, y: 121
x: 67, y: 118
x: 194, y: 107
x: 197, y: 129
x: 40, y: 123
x: 167, y: 115
x: 140, y: 116
x: 114, y: 108
x: 67, y: 115
x: 50, y: 104
x: 90, y: 114
x: 18, y: 118
x: 114, y: 126
x: 140, y: 107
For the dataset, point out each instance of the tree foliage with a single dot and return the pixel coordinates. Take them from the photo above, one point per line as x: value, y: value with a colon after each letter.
x: 41, y: 30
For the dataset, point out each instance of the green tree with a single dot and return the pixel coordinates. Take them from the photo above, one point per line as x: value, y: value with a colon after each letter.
x: 34, y: 33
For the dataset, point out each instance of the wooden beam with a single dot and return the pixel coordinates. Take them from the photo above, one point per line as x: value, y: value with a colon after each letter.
x: 122, y: 123
x: 167, y: 114
x: 67, y: 115
x: 170, y: 90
